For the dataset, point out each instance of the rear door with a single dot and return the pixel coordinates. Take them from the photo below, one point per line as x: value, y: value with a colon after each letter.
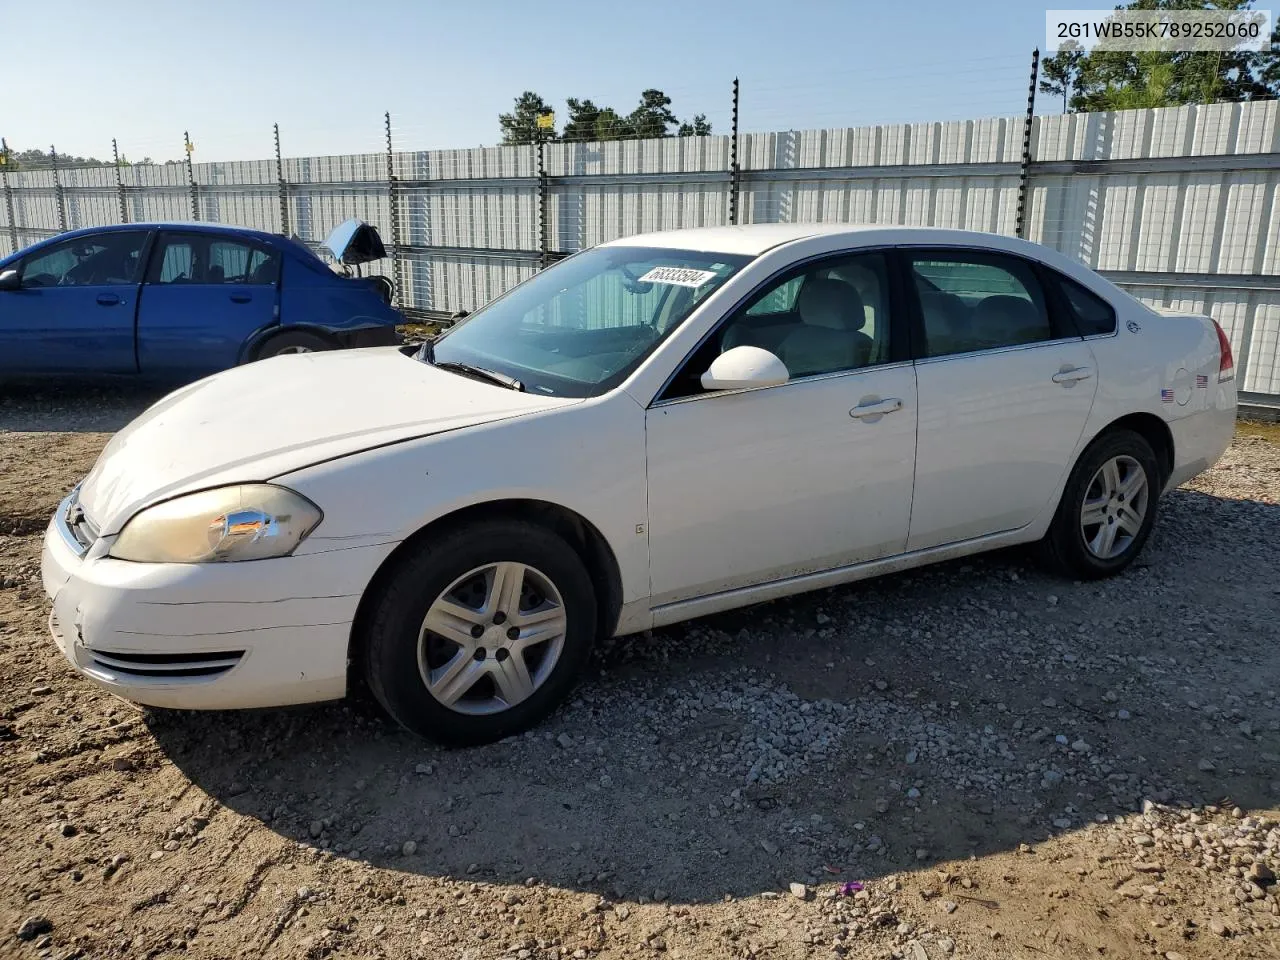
x: 1006, y: 384
x: 74, y: 311
x: 205, y: 294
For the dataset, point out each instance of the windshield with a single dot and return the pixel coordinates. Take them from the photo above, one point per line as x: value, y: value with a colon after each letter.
x: 579, y: 328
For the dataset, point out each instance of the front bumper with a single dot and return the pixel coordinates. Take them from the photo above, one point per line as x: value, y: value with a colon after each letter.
x: 202, y: 636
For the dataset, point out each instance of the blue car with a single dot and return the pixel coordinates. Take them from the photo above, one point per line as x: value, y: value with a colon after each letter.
x: 182, y: 300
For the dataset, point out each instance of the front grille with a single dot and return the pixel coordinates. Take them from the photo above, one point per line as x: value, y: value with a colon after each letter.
x: 77, y: 523
x: 85, y: 532
x: 164, y: 666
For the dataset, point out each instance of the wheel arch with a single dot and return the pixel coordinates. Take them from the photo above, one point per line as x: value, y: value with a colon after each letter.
x: 1152, y: 429
x: 579, y: 532
x: 251, y: 349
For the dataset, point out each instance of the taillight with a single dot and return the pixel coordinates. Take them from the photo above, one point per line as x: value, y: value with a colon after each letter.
x: 1226, y: 361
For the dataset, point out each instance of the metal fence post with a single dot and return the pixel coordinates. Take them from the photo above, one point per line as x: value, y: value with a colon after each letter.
x: 124, y: 208
x: 1021, y: 229
x: 57, y: 191
x: 191, y: 176
x: 735, y: 173
x: 395, y: 217
x: 8, y: 194
x: 284, y: 186
x: 544, y: 242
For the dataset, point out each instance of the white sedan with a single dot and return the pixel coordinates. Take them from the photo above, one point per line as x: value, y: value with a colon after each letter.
x: 654, y: 429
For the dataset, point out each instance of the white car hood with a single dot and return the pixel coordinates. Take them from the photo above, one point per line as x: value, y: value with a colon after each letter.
x: 268, y: 418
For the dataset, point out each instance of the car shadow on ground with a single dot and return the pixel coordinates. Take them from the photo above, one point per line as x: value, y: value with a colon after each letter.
x: 71, y: 406
x: 893, y: 724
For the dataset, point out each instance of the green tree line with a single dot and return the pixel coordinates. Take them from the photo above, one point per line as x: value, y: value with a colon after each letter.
x: 585, y: 120
x: 1124, y: 80
x: 40, y: 160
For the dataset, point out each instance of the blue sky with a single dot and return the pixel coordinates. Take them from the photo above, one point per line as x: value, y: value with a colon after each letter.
x: 143, y: 72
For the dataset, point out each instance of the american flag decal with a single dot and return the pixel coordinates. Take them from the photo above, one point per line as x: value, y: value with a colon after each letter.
x: 1202, y: 381
x: 1166, y: 395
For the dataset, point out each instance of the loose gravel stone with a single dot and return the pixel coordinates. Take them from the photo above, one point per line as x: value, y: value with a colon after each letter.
x: 33, y: 927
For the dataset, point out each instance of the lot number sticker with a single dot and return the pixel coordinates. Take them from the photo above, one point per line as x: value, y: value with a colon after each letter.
x: 678, y: 276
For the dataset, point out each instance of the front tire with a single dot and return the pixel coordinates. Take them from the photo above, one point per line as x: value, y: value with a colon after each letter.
x: 1107, y: 509
x: 480, y: 633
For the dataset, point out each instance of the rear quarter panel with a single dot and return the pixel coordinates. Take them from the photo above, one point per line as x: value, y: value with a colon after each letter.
x: 319, y: 298
x: 1167, y: 366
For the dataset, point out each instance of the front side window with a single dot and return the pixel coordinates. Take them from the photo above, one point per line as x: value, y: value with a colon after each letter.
x: 972, y: 300
x: 831, y: 316
x: 781, y: 299
x: 206, y: 258
x: 579, y: 328
x: 105, y: 259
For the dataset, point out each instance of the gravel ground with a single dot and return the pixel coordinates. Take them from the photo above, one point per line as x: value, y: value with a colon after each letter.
x: 1006, y: 764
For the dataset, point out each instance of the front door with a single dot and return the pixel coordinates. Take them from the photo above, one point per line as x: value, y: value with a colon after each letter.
x: 1005, y: 388
x: 74, y: 309
x: 205, y: 294
x: 751, y: 486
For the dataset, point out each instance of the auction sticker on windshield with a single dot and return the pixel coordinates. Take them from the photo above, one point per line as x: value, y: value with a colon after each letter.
x: 679, y: 276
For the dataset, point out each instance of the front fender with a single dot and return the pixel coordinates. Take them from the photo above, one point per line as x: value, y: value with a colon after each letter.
x: 385, y: 495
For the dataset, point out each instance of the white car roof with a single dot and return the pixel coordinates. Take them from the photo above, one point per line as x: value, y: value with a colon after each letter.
x: 754, y: 239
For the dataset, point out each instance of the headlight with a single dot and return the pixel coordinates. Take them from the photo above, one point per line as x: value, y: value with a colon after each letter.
x: 249, y: 522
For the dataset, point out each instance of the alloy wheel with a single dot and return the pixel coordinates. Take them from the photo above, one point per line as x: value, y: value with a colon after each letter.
x: 492, y: 638
x: 1114, y: 508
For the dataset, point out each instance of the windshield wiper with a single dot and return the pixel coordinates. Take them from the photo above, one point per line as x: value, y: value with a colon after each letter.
x: 501, y: 379
x: 493, y: 376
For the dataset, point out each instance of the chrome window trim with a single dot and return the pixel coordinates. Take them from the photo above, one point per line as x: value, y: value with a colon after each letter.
x: 812, y: 378
x: 993, y: 351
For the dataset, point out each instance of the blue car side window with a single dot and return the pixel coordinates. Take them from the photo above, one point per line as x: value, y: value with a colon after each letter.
x: 176, y: 265
x: 111, y: 258
x: 196, y: 258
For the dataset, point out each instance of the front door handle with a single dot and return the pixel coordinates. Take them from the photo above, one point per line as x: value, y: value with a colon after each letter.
x: 241, y: 297
x: 1068, y: 376
x: 108, y: 299
x: 875, y: 408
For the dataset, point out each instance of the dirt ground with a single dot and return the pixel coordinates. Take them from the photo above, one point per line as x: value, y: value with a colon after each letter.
x: 1009, y: 765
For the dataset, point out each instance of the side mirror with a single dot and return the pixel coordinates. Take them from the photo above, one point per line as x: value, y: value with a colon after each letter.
x: 744, y: 367
x: 9, y: 280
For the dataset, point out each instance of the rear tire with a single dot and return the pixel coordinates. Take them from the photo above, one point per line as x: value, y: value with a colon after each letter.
x: 292, y: 341
x: 479, y: 633
x: 1107, y: 510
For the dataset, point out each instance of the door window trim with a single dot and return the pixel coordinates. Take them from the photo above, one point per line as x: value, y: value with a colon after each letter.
x: 1061, y: 325
x: 812, y: 378
x: 900, y: 341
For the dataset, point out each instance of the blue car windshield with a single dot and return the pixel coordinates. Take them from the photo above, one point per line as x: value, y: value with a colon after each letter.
x: 579, y: 328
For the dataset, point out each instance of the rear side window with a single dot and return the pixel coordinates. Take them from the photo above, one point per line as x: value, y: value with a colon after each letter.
x: 209, y: 259
x: 176, y: 263
x: 976, y: 300
x: 1093, y: 315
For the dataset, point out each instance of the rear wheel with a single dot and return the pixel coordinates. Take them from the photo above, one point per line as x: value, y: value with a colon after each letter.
x: 293, y: 341
x: 1108, y: 508
x: 481, y: 633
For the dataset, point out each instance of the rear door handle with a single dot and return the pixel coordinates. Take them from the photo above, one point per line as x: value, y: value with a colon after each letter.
x: 1070, y: 376
x: 875, y: 408
x: 241, y: 297
x: 108, y: 299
